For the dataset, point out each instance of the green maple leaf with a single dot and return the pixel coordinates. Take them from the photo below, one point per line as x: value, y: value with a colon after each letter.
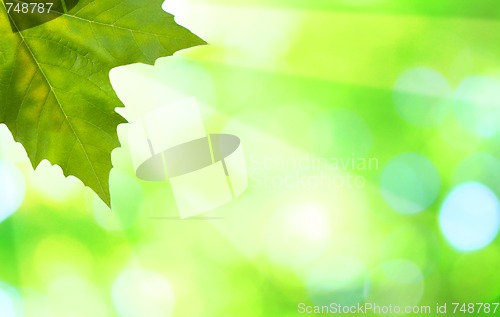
x: 55, y: 93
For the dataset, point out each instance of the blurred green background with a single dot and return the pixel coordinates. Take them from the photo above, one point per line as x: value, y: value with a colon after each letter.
x: 371, y: 132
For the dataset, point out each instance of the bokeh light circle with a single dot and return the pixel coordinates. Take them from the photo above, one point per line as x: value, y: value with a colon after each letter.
x: 297, y: 235
x: 137, y: 293
x: 480, y: 167
x: 9, y: 301
x: 470, y: 216
x: 477, y: 107
x: 396, y: 282
x: 12, y: 189
x: 409, y: 241
x: 422, y: 96
x: 410, y: 183
x: 340, y: 277
x: 58, y: 254
x: 75, y: 296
